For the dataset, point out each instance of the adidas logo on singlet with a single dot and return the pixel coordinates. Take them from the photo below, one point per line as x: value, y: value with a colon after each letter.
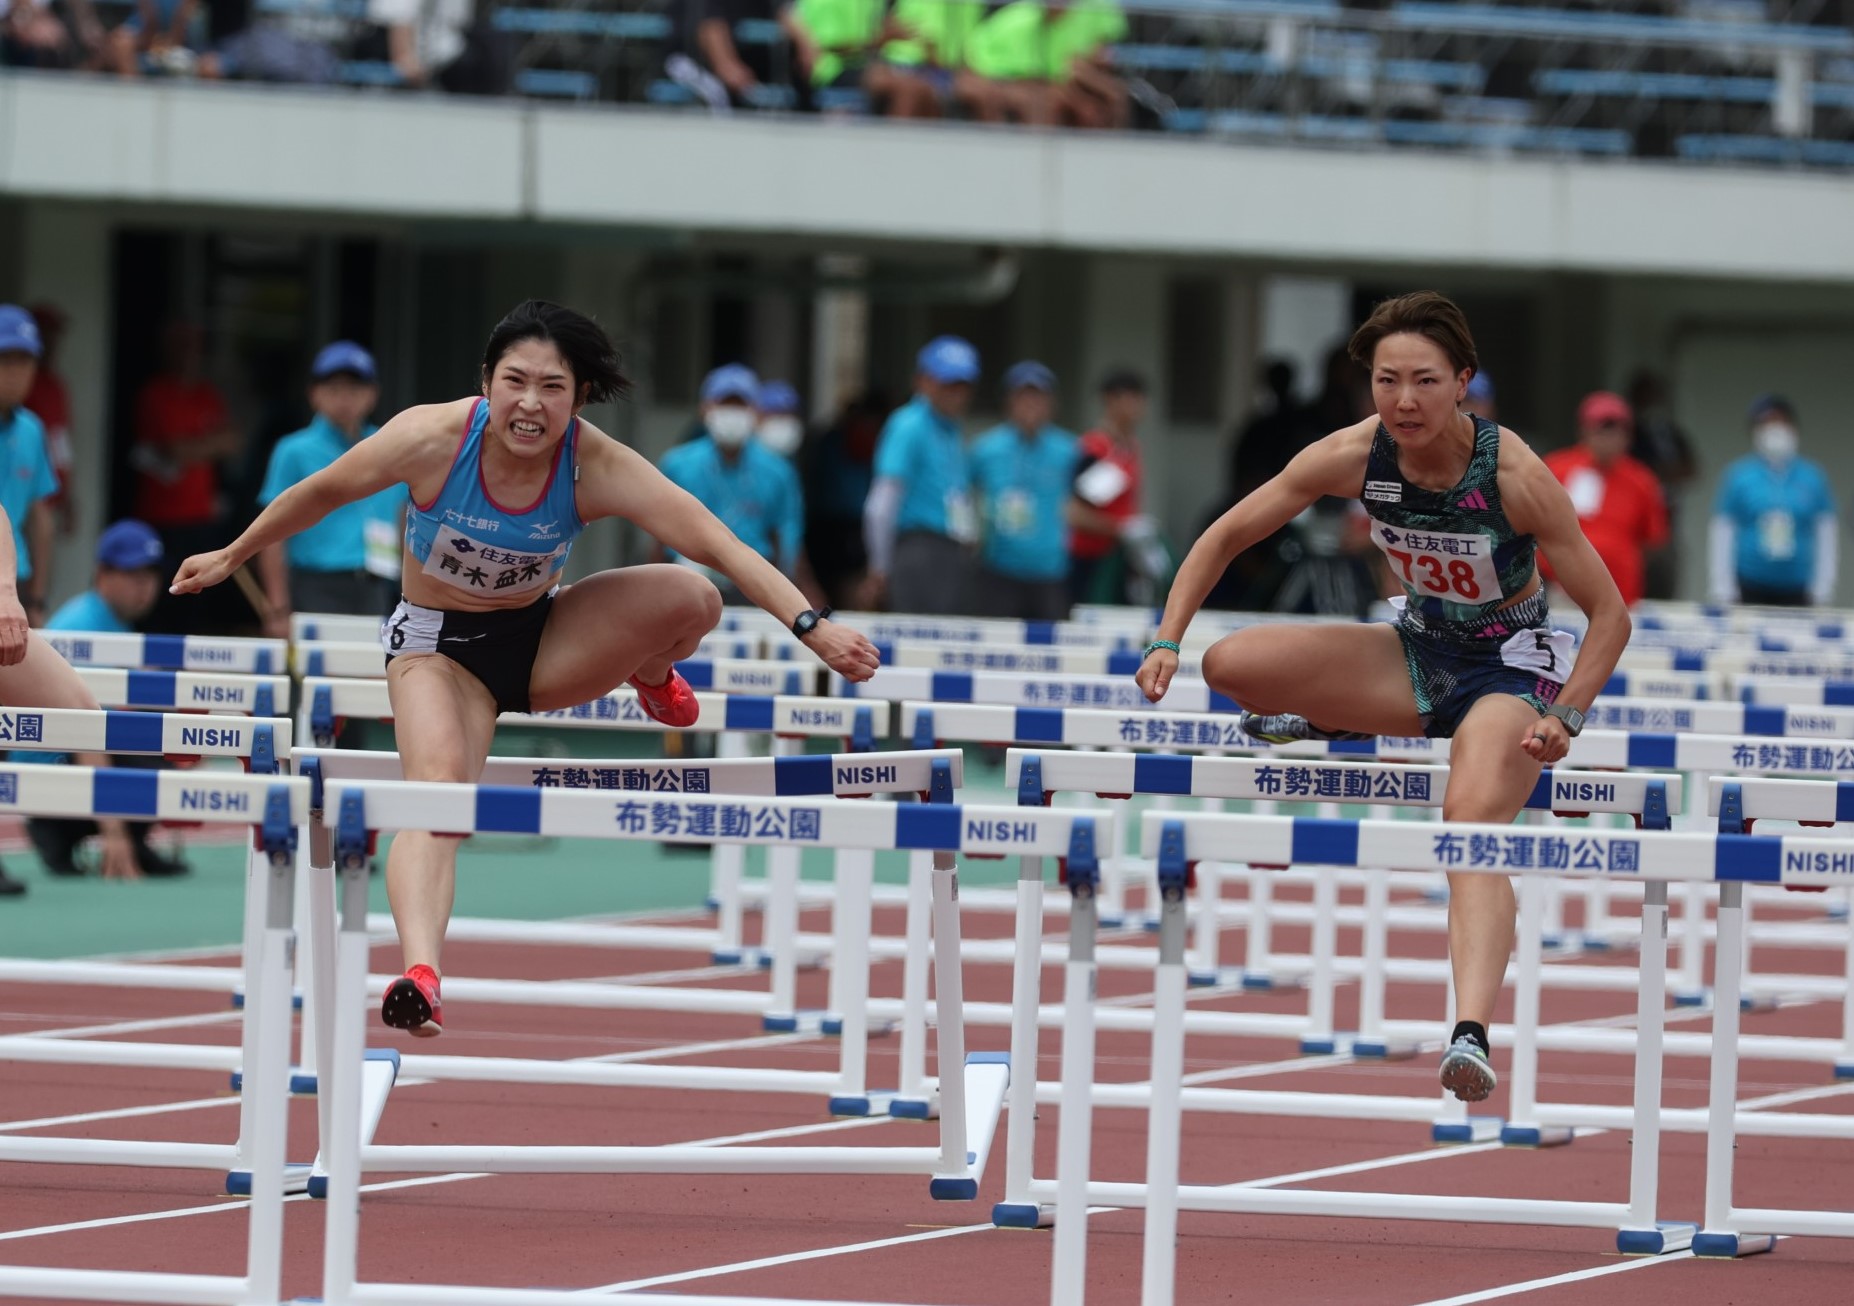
x: 1472, y: 499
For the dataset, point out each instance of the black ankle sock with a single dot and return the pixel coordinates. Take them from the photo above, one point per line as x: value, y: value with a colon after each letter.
x: 1475, y: 1031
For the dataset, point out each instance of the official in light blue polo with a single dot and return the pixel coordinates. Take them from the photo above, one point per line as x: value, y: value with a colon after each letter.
x: 918, y: 521
x: 128, y: 582
x: 1022, y: 473
x: 753, y: 490
x: 349, y: 561
x: 1776, y: 538
x: 27, y: 481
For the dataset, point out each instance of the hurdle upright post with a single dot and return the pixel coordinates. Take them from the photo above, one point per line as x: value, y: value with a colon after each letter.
x: 1158, y: 1270
x: 1018, y: 1209
x: 1069, y: 1247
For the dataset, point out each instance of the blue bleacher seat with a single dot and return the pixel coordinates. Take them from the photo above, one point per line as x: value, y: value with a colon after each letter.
x: 1598, y: 26
x: 1724, y: 148
x: 557, y: 84
x: 579, y: 22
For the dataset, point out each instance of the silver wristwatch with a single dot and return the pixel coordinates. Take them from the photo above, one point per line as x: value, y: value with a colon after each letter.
x: 1572, y: 718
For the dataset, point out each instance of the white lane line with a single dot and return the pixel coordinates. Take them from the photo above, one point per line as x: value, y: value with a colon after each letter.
x: 142, y: 1026
x: 1574, y: 1276
x: 118, y: 1113
x: 239, y: 1203
x: 877, y: 1244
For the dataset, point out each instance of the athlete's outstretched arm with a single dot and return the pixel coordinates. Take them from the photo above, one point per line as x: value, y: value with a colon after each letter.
x: 1536, y: 504
x: 417, y: 444
x: 617, y: 481
x: 1334, y: 465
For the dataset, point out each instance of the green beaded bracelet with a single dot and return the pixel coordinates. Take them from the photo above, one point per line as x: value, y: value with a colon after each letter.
x: 1160, y: 643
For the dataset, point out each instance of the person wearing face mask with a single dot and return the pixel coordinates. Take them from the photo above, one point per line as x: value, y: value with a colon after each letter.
x: 753, y: 490
x: 1021, y: 472
x: 781, y: 429
x: 1775, y: 537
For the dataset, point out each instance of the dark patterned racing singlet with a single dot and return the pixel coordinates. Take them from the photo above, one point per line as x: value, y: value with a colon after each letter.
x: 1454, y: 552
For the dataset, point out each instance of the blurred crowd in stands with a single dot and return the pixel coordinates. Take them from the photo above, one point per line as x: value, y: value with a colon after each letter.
x: 1025, y: 61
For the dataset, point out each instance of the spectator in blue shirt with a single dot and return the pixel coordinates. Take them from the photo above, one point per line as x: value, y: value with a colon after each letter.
x: 27, y: 481
x: 126, y: 587
x: 1775, y: 536
x: 918, y: 522
x: 753, y: 490
x: 349, y: 561
x: 1022, y: 470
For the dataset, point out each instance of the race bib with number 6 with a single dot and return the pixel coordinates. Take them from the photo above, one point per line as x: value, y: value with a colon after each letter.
x: 1440, y: 564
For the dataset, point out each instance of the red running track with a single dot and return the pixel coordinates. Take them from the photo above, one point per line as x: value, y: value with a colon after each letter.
x: 883, y: 1238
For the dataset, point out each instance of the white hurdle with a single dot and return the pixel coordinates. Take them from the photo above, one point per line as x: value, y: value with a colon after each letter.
x: 276, y: 805
x: 83, y: 648
x: 188, y: 691
x: 636, y: 787
x: 971, y: 1088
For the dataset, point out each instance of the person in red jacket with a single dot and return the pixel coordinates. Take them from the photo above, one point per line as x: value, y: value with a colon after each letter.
x: 1618, y: 500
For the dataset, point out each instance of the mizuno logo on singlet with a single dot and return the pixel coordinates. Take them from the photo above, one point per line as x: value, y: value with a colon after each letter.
x: 1472, y: 499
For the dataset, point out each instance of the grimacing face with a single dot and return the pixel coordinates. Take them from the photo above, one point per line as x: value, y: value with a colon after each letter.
x: 532, y: 399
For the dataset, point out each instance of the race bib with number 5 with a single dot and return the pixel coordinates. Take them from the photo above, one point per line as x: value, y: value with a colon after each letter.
x: 1440, y: 564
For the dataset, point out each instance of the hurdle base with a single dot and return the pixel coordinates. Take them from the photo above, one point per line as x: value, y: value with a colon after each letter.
x: 1320, y: 1045
x: 1758, y: 1002
x: 1214, y: 979
x: 1698, y: 999
x: 1378, y: 1049
x: 301, y: 1085
x: 1262, y: 981
x: 379, y: 1073
x: 1666, y: 1236
x: 238, y: 1000
x: 757, y: 957
x: 1711, y: 1245
x: 1022, y: 1215
x: 803, y: 1022
x: 914, y: 1108
x: 831, y: 1025
x: 296, y: 1179
x: 1535, y: 1135
x: 1475, y: 1129
x: 1844, y: 1070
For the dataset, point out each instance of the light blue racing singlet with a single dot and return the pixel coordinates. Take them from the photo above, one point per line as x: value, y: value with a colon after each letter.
x: 466, y: 540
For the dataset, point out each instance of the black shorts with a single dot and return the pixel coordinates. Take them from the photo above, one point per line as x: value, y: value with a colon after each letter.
x: 497, y: 647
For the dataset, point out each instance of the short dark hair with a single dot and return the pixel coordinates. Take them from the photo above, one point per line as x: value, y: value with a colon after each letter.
x: 1426, y: 313
x: 588, y: 351
x: 1119, y: 380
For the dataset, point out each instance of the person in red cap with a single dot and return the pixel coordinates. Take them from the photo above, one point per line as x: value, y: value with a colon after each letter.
x: 1618, y: 500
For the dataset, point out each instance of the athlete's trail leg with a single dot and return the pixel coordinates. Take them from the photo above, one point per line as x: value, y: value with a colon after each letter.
x: 617, y: 624
x: 443, y: 720
x: 1489, y: 778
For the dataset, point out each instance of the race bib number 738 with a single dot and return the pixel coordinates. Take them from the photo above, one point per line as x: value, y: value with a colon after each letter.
x: 1440, y: 564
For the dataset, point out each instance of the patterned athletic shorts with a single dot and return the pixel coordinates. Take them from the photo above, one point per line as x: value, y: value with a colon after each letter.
x: 1452, y: 671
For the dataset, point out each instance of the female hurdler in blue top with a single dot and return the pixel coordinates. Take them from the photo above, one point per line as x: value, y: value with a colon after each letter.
x: 1458, y: 505
x: 501, y: 485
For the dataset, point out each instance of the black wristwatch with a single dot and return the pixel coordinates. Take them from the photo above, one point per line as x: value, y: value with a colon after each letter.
x: 807, y: 621
x: 1572, y: 718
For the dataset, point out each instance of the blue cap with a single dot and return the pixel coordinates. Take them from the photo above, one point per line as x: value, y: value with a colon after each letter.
x: 1480, y: 388
x: 129, y: 545
x: 19, y: 332
x: 1764, y: 405
x: 948, y: 360
x: 343, y: 356
x: 1030, y: 373
x: 734, y: 381
x: 777, y: 397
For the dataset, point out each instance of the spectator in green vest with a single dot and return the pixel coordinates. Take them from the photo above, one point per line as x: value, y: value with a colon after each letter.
x: 914, y: 76
x: 1081, y: 70
x: 835, y: 39
x: 1044, y: 64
